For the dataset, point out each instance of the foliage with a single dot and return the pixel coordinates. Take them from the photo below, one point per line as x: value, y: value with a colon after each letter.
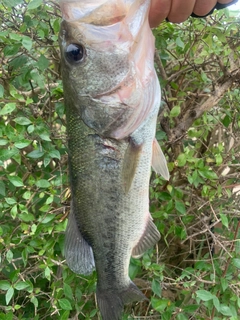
x: 194, y: 271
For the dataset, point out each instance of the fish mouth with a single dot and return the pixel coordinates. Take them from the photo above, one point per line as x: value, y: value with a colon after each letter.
x: 120, y: 93
x: 108, y: 93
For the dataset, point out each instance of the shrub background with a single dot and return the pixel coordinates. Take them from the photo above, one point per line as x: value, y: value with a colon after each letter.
x: 193, y: 273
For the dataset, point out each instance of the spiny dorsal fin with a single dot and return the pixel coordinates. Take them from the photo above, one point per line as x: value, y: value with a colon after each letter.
x: 159, y: 162
x: 130, y: 163
x: 149, y: 238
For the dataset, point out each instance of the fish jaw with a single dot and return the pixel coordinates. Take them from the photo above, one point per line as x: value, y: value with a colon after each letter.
x: 117, y: 77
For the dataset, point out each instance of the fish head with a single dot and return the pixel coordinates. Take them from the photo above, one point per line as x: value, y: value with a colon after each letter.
x: 107, y: 53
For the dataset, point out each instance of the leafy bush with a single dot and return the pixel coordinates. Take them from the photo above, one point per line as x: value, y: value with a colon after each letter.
x: 193, y: 273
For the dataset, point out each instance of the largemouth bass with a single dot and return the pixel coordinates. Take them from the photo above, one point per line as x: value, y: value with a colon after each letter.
x: 112, y: 97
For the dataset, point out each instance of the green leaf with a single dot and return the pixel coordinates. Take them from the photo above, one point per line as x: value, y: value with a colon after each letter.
x: 55, y: 154
x: 47, y: 218
x: 165, y: 196
x: 47, y: 274
x: 65, y: 304
x: 156, y: 287
x: 68, y: 291
x: 224, y: 219
x: 27, y: 43
x: 16, y: 181
x: 191, y: 308
x: 10, y: 201
x: 34, y: 300
x: 93, y: 313
x: 236, y: 263
x: 182, y: 316
x: 35, y: 154
x: 43, y: 62
x: 1, y: 91
x: 12, y: 3
x: 3, y: 142
x: 181, y: 160
x: 30, y: 129
x: 219, y: 159
x: 4, y: 285
x: 204, y: 295
x: 180, y: 207
x: 22, y: 121
x: 216, y: 303
x: 9, y: 256
x: 43, y: 183
x: 26, y: 217
x: 65, y: 315
x: 21, y: 285
x: 15, y: 36
x: 23, y: 144
x: 11, y: 50
x: 45, y: 136
x: 225, y: 310
x: 34, y: 4
x: 179, y: 42
x: 226, y: 121
x: 9, y: 295
x: 46, y: 160
x: 6, y: 154
x: 224, y: 283
x: 208, y: 174
x: 14, y: 211
x: 159, y: 304
x: 175, y: 111
x: 8, y: 108
x: 2, y: 188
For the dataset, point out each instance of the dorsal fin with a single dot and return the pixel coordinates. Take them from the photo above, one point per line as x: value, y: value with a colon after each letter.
x: 159, y: 162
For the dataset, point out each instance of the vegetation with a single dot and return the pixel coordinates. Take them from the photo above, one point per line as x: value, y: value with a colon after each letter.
x: 193, y: 273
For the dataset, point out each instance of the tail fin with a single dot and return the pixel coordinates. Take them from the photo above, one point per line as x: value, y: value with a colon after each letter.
x: 111, y: 302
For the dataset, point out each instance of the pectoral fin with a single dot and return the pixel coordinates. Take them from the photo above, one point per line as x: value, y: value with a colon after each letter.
x: 130, y: 163
x: 149, y: 238
x: 78, y: 253
x: 159, y: 162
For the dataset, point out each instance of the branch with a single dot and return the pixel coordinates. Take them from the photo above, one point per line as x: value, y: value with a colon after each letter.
x: 197, y: 111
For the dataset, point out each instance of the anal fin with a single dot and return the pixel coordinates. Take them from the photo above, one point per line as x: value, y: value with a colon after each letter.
x: 149, y: 238
x: 159, y: 162
x: 78, y: 252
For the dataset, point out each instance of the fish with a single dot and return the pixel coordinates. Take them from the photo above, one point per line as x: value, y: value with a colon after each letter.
x: 112, y: 98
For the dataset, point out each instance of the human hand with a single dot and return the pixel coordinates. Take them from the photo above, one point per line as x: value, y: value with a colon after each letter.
x: 179, y: 10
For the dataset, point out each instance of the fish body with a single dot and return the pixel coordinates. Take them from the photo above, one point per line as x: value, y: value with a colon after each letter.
x: 112, y: 97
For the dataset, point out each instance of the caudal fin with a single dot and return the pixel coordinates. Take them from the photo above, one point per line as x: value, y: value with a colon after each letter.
x: 111, y: 302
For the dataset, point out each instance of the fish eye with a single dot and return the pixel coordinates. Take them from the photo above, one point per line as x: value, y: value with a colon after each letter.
x: 75, y: 53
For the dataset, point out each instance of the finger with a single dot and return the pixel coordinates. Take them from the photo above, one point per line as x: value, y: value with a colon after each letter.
x: 159, y: 11
x: 180, y: 10
x: 203, y: 7
x: 224, y: 1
